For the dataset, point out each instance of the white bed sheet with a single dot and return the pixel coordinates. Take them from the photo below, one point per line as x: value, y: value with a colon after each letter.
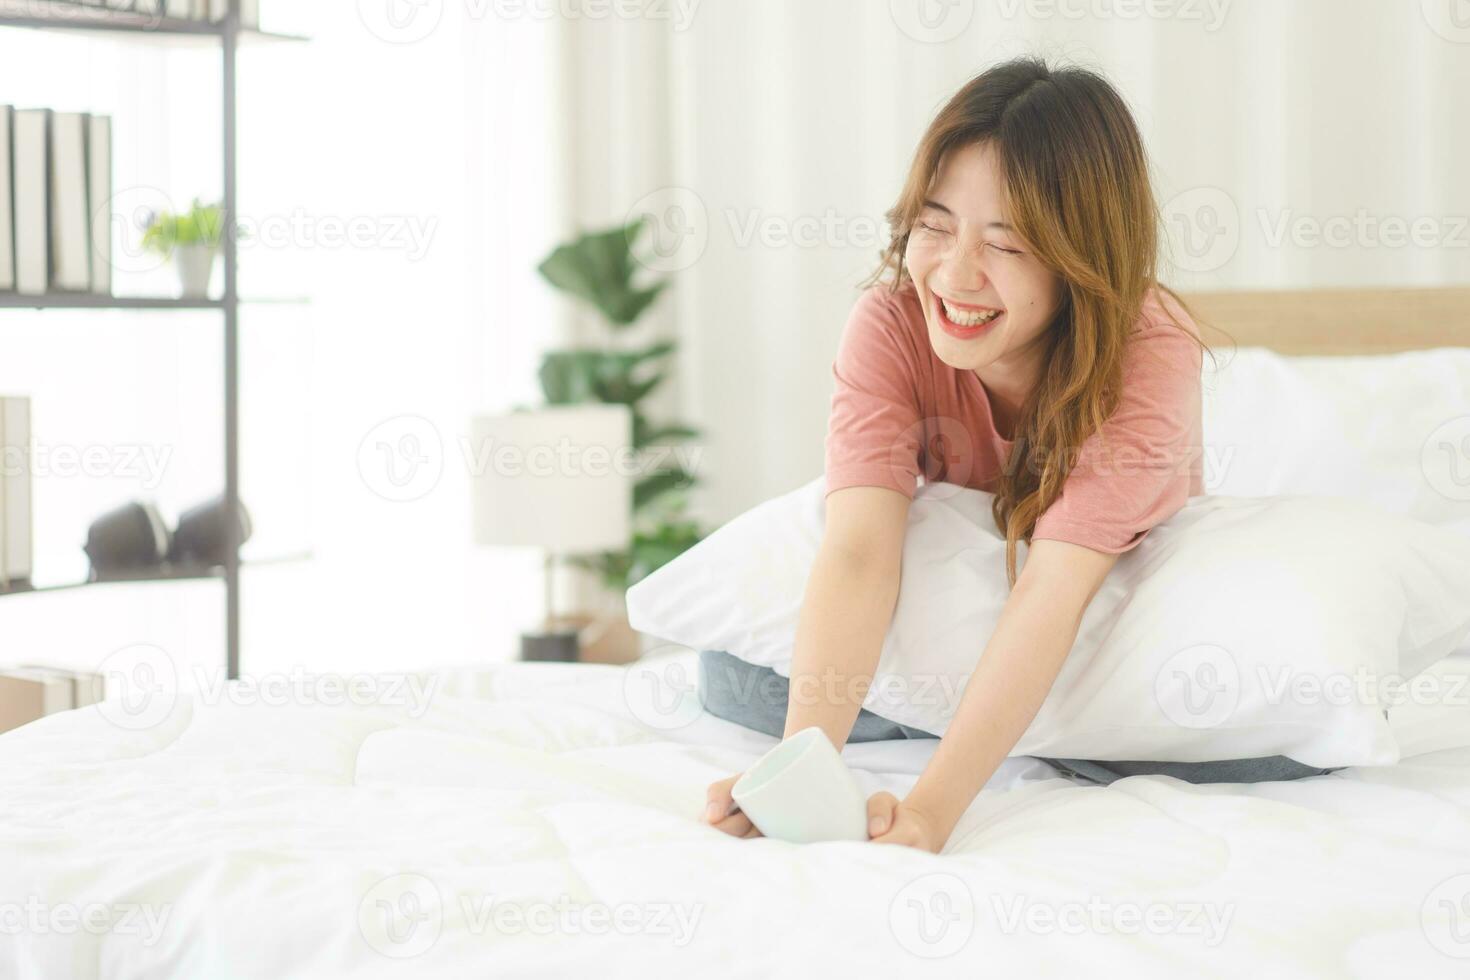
x: 319, y: 841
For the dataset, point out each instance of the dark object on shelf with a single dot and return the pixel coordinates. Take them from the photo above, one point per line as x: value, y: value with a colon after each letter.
x: 201, y: 536
x: 127, y: 539
x: 556, y: 646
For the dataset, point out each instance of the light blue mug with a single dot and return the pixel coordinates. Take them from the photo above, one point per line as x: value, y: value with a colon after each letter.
x: 801, y: 791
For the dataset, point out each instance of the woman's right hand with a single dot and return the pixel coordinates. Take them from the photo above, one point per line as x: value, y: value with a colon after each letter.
x: 718, y: 806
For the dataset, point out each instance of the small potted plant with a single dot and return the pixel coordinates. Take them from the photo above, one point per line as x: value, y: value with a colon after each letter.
x: 192, y: 240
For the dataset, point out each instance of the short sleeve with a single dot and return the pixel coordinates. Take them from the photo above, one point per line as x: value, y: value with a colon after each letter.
x: 873, y: 429
x: 1144, y: 463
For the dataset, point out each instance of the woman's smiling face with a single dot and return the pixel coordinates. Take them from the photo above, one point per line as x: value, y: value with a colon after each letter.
x: 987, y: 299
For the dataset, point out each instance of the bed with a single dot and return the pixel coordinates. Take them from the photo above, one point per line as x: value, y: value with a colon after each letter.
x: 539, y: 820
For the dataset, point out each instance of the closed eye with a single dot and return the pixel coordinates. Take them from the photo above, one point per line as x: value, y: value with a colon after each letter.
x: 1001, y: 248
x: 926, y: 226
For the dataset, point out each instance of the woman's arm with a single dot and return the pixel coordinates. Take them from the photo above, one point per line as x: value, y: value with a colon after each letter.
x: 845, y: 613
x: 1031, y: 641
x: 850, y: 595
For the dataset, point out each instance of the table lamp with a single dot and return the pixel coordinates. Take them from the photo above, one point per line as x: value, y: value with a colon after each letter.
x: 558, y: 478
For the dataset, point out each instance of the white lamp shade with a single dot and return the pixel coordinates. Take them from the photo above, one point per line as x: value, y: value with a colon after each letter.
x: 559, y: 478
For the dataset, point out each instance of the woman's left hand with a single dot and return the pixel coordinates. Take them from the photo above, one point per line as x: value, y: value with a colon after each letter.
x: 891, y: 821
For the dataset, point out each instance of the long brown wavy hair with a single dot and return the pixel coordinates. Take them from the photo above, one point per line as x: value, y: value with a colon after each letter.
x: 1078, y: 191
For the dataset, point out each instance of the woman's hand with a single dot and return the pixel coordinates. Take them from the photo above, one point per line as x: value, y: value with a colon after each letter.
x: 717, y: 810
x: 891, y: 821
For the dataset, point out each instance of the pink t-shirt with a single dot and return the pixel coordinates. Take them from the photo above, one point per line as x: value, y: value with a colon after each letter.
x: 899, y: 412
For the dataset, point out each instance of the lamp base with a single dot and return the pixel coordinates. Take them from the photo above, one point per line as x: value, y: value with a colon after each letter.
x: 558, y: 646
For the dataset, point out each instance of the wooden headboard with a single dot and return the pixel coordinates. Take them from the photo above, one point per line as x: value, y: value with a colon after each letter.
x: 1335, y: 321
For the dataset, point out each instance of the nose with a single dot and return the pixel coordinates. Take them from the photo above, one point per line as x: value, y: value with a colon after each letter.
x: 963, y: 271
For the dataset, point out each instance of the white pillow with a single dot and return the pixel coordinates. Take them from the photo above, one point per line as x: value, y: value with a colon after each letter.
x: 1389, y: 429
x: 1238, y: 628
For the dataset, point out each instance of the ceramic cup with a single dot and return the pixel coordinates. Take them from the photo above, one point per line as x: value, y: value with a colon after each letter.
x: 801, y: 791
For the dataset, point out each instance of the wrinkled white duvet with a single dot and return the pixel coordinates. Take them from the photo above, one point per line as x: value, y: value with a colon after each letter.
x: 541, y: 821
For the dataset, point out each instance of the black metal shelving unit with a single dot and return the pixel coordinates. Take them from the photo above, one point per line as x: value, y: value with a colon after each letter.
x: 229, y: 34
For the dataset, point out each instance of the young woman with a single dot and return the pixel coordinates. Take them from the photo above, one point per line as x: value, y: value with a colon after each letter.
x: 1015, y: 340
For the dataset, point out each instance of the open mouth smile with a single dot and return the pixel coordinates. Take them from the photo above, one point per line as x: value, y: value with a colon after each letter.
x: 965, y: 320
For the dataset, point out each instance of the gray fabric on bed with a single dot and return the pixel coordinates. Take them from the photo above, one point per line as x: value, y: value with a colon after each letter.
x: 756, y: 697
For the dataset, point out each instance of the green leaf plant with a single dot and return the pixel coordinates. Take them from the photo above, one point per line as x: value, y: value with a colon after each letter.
x: 600, y: 269
x: 202, y: 224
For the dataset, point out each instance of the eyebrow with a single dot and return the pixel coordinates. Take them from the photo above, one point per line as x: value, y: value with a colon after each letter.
x: 929, y: 202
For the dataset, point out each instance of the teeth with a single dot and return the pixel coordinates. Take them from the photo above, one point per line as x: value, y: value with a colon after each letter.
x: 968, y: 318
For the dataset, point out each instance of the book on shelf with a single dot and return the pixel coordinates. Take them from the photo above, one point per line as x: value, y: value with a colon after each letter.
x: 71, y: 231
x: 29, y: 171
x: 55, y: 202
x: 7, y: 216
x: 99, y: 201
x: 15, y: 491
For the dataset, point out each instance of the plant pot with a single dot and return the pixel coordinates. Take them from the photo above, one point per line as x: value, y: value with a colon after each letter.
x: 195, y: 266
